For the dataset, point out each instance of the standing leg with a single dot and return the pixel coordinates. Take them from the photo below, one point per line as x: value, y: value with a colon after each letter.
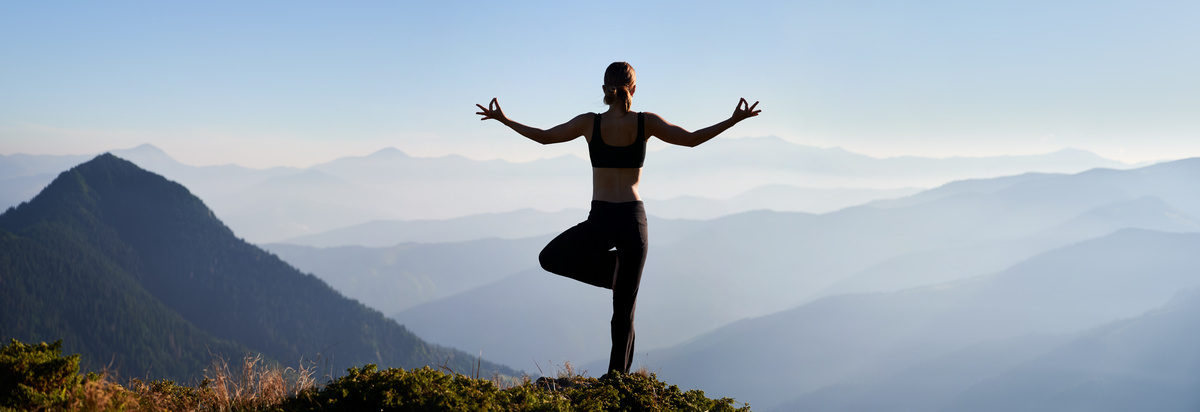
x: 632, y: 246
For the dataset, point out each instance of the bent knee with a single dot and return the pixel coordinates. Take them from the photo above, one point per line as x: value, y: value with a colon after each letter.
x: 549, y: 262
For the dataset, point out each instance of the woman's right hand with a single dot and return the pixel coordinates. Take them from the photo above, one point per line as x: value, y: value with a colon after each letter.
x: 743, y: 110
x: 493, y: 111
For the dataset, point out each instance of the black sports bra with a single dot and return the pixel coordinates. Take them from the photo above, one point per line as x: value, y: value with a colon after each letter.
x: 628, y: 156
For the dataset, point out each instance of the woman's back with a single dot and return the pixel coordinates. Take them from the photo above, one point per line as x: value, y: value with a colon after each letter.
x: 617, y: 129
x: 620, y: 131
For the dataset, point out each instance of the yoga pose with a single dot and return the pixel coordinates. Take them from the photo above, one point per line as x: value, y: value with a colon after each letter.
x: 617, y: 147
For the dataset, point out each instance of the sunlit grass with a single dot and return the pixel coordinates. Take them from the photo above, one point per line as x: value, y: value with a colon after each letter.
x: 45, y: 380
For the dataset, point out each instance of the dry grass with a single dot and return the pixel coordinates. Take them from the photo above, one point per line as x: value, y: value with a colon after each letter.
x: 568, y: 371
x: 248, y: 386
x: 253, y: 385
x: 102, y: 395
x: 501, y: 381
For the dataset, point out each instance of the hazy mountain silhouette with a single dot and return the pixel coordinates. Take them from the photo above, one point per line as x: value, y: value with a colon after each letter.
x: 936, y: 266
x: 777, y: 197
x: 1150, y: 362
x: 208, y: 182
x: 963, y: 187
x: 1141, y: 363
x: 124, y: 264
x: 754, y: 264
x: 770, y: 270
x: 548, y: 320
x: 678, y: 314
x: 779, y: 262
x: 24, y: 165
x: 530, y: 222
x: 928, y: 385
x: 960, y: 230
x: 301, y: 203
x: 771, y: 160
x: 22, y: 176
x: 396, y: 278
x: 517, y: 224
x: 391, y: 185
x: 861, y: 338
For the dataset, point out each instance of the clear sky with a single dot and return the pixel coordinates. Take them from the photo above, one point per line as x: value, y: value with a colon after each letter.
x: 297, y: 83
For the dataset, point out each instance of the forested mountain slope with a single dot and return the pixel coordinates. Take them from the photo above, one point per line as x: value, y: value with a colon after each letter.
x: 125, y: 265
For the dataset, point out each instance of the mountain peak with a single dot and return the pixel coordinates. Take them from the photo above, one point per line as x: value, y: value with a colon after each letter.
x: 144, y: 152
x: 114, y: 191
x: 148, y: 148
x: 1081, y: 154
x: 389, y: 152
x: 107, y: 161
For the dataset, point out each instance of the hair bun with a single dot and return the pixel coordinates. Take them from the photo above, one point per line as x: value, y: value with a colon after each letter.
x: 620, y: 77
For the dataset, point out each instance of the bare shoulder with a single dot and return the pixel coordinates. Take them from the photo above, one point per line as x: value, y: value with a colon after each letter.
x: 582, y: 122
x: 653, y: 119
x: 652, y: 116
x: 583, y: 118
x: 656, y: 125
x: 579, y: 125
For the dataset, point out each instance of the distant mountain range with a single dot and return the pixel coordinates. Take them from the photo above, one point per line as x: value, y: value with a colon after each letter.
x: 722, y: 177
x: 850, y: 342
x: 396, y: 278
x: 1146, y: 362
x: 127, y: 266
x: 516, y: 224
x: 703, y: 275
x: 408, y: 274
x: 705, y: 170
x: 532, y: 222
x: 1035, y: 291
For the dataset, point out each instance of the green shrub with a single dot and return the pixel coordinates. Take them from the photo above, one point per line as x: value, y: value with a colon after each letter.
x: 637, y: 392
x: 409, y: 390
x: 426, y: 389
x: 165, y: 395
x: 37, y: 376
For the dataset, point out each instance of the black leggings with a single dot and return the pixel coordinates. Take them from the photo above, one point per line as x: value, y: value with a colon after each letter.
x: 584, y: 253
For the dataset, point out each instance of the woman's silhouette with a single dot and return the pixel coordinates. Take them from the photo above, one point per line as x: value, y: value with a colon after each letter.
x: 617, y: 147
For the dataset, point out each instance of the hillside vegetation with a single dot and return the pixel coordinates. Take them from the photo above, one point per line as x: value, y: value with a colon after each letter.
x: 38, y: 377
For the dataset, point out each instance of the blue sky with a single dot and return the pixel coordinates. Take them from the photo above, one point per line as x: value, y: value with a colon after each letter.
x: 296, y: 83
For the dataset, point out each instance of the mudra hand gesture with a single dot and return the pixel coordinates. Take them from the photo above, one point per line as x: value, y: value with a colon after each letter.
x: 743, y: 110
x: 493, y: 111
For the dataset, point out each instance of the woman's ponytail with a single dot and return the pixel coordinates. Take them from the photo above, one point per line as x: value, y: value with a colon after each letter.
x: 619, y: 78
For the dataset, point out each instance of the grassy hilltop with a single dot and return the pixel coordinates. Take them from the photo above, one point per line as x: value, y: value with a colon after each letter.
x: 38, y: 377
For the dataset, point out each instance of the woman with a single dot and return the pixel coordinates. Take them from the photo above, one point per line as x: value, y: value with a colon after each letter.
x: 617, y: 147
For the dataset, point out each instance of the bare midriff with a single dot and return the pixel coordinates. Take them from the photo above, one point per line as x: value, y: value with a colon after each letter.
x: 615, y: 185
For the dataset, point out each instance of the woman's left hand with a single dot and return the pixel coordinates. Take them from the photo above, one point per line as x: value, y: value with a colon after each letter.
x: 744, y: 110
x: 493, y: 111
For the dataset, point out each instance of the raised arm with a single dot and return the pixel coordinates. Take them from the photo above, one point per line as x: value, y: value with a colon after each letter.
x: 557, y: 134
x: 667, y: 132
